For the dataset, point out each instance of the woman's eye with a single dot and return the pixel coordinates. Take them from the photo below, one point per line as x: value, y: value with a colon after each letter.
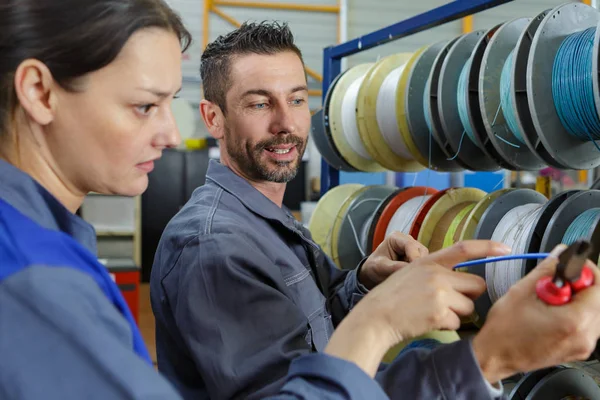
x: 146, y: 108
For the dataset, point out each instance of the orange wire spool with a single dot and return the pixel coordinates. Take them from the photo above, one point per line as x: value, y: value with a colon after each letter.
x: 418, y: 222
x: 389, y: 208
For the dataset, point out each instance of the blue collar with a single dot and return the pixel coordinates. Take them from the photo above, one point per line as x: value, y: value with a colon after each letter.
x: 31, y: 199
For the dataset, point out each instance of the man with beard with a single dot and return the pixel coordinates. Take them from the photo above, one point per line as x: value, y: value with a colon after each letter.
x: 241, y: 292
x: 238, y: 287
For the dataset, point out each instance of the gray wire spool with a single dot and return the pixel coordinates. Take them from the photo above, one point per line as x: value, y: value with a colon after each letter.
x: 534, y: 241
x: 562, y: 21
x: 513, y: 152
x: 321, y: 132
x: 431, y: 152
x: 350, y: 229
x: 432, y: 89
x: 521, y: 96
x: 454, y: 132
x: 485, y: 229
x: 473, y: 108
x: 570, y: 209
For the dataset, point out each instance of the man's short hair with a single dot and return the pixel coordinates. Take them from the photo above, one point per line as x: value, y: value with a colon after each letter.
x: 264, y: 38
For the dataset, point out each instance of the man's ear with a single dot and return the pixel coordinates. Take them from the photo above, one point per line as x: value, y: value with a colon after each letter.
x: 213, y: 118
x: 34, y: 86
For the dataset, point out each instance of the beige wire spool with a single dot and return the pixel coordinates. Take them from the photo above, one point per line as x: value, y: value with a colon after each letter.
x: 438, y: 219
x: 340, y: 115
x: 468, y: 230
x: 326, y: 212
x: 380, y: 133
x: 402, y: 98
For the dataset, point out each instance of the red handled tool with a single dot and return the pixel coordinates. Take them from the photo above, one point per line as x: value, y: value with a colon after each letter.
x: 572, y: 275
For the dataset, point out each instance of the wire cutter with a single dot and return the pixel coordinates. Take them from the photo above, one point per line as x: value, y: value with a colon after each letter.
x: 572, y: 275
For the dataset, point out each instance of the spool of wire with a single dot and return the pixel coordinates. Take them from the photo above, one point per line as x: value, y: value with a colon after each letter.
x: 350, y: 127
x: 572, y: 86
x: 427, y: 106
x: 512, y: 230
x: 461, y: 96
x: 458, y: 222
x: 506, y: 98
x: 405, y: 214
x: 581, y: 227
x: 386, y: 114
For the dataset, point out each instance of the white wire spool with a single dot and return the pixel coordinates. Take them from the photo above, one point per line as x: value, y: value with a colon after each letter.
x: 386, y: 114
x: 405, y: 214
x: 513, y: 230
x: 350, y: 127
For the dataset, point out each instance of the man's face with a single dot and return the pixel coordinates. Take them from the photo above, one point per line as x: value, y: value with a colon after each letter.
x: 268, y: 118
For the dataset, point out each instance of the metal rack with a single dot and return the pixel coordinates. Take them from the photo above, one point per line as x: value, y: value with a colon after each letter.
x: 332, y: 56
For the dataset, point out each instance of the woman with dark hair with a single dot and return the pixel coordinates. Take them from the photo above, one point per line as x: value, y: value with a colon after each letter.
x: 85, y: 93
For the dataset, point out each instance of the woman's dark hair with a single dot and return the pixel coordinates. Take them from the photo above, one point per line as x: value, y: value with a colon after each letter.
x: 72, y: 37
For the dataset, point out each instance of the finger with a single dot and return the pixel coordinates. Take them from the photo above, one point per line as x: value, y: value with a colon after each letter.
x: 468, y: 250
x: 451, y: 322
x: 470, y: 285
x: 413, y: 251
x: 460, y: 304
x: 401, y: 245
x: 595, y: 271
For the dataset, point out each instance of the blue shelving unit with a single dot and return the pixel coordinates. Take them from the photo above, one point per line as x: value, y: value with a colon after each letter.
x: 332, y: 56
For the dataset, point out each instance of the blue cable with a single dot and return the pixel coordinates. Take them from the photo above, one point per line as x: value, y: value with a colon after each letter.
x: 580, y: 227
x: 530, y: 256
x: 573, y: 88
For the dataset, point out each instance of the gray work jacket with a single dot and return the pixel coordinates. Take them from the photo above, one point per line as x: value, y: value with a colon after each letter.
x: 239, y: 290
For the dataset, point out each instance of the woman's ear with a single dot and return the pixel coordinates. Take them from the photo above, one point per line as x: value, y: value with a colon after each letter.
x: 34, y: 86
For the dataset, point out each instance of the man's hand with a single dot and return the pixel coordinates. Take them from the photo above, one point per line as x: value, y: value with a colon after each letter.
x: 423, y: 296
x: 522, y: 333
x: 393, y: 253
x: 427, y: 295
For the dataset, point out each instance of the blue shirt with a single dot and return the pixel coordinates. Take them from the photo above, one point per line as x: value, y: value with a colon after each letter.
x: 61, y: 337
x: 240, y: 290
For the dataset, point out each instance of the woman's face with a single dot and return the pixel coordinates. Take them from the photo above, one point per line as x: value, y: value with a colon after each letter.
x: 105, y: 137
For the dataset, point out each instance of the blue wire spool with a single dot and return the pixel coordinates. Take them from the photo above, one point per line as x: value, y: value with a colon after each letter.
x: 561, y: 37
x: 573, y: 88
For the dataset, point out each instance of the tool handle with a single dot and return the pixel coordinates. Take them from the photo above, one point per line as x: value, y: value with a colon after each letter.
x: 551, y: 294
x: 585, y: 280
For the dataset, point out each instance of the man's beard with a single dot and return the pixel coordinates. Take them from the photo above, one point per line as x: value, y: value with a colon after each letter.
x: 249, y: 158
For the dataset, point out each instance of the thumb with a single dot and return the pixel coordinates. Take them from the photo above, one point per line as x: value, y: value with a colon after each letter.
x: 546, y: 267
x: 404, y: 246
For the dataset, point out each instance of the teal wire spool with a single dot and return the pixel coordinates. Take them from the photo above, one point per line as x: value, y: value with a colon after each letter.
x: 461, y: 98
x: 506, y: 99
x: 573, y: 88
x: 581, y: 227
x: 551, y: 85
